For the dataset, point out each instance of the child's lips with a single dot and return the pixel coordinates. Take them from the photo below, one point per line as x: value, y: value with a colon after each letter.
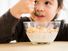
x: 40, y: 16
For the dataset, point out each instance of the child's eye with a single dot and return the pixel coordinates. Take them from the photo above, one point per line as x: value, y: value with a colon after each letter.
x: 36, y: 2
x: 47, y: 2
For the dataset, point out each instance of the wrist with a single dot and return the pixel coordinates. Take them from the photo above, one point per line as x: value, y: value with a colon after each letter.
x: 15, y: 12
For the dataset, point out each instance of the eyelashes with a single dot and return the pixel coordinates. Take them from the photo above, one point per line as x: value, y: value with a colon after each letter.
x: 46, y: 2
x: 35, y: 1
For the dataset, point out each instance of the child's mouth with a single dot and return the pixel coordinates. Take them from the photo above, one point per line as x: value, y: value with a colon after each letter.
x: 38, y: 15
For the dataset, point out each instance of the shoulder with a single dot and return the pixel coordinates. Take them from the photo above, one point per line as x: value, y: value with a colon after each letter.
x: 64, y: 27
x: 63, y: 32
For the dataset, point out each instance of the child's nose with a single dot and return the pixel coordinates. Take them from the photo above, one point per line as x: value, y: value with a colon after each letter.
x: 40, y: 7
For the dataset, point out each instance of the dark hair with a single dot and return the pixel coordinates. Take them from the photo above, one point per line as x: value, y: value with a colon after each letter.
x: 60, y: 3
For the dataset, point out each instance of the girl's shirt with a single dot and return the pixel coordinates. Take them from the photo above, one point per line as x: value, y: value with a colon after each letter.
x: 21, y: 32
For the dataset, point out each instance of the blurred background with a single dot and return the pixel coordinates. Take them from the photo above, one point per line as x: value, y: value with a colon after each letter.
x: 6, y: 4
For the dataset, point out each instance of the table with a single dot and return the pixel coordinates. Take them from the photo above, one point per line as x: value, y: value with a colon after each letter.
x: 27, y: 46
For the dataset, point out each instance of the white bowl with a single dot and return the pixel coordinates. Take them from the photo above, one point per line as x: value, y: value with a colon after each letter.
x: 42, y: 33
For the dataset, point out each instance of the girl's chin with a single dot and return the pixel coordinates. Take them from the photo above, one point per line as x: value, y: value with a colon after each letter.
x: 40, y: 17
x: 41, y: 21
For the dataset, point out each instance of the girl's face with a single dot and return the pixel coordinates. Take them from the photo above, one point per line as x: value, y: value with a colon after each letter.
x: 45, y: 10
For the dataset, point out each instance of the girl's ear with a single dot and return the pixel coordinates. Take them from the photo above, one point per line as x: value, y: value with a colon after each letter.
x: 59, y: 10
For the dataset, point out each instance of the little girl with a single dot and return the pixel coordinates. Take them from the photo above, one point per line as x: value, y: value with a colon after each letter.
x: 44, y: 11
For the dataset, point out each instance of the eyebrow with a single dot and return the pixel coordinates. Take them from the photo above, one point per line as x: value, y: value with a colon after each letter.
x: 51, y: 0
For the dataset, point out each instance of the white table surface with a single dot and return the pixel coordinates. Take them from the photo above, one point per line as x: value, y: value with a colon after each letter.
x: 27, y: 46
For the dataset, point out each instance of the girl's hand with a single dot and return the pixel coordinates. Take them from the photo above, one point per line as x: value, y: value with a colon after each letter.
x: 23, y: 6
